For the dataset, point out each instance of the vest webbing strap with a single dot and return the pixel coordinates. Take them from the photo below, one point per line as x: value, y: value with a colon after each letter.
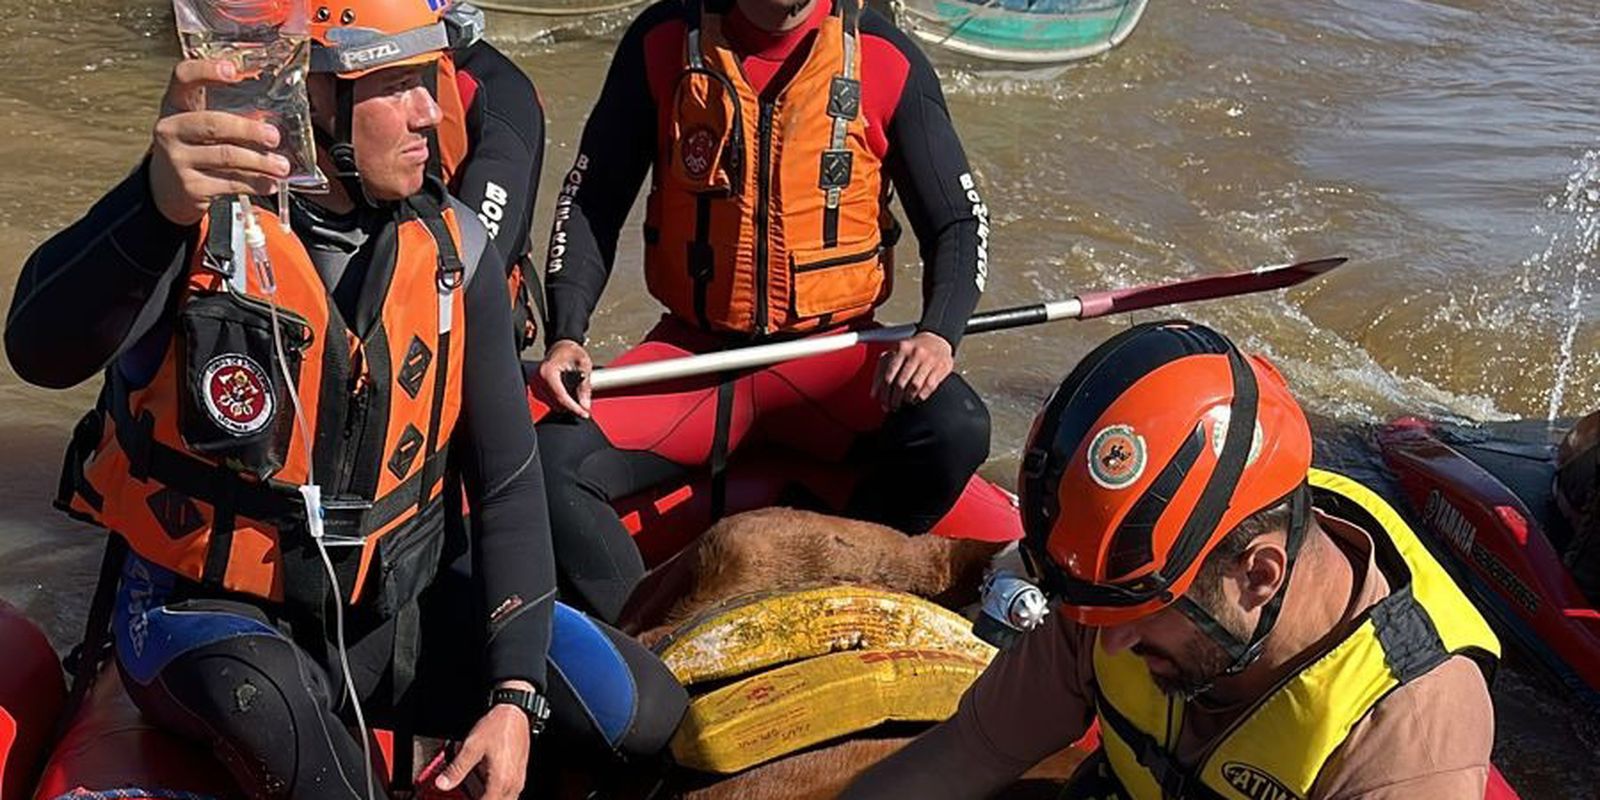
x: 1411, y: 643
x: 95, y: 628
x: 1175, y: 780
x: 719, y: 448
x: 85, y: 439
x: 219, y: 548
x: 701, y: 257
x: 844, y: 105
x: 403, y: 671
x: 232, y: 496
x: 452, y: 277
x: 691, y: 39
x: 218, y: 254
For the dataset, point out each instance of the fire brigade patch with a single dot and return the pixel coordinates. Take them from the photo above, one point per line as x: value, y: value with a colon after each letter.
x: 237, y: 393
x: 698, y: 148
x: 1116, y: 456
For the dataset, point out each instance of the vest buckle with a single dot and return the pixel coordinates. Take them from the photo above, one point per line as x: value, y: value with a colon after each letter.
x: 836, y: 168
x: 844, y: 98
x: 344, y: 521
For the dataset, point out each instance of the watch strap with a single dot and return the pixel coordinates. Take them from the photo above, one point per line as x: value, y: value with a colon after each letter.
x: 530, y: 702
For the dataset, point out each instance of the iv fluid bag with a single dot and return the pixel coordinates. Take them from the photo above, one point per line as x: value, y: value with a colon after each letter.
x: 269, y: 43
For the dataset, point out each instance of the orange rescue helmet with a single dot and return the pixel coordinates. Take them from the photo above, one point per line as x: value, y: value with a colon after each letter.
x: 1134, y: 471
x: 351, y: 38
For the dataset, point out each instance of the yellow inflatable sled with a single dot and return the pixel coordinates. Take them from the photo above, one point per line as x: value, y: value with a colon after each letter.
x: 759, y: 630
x: 852, y: 658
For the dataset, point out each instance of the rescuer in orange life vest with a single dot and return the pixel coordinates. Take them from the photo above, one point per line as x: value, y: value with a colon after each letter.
x: 774, y: 131
x: 1240, y: 624
x: 270, y: 444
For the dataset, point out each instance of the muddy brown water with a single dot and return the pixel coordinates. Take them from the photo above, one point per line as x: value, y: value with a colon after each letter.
x: 1446, y: 147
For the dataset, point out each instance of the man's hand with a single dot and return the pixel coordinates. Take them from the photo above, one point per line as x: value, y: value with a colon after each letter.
x: 196, y: 155
x: 499, y: 744
x: 568, y: 358
x: 912, y: 370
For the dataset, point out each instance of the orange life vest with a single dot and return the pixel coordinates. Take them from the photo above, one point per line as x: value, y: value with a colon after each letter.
x: 197, y: 458
x: 767, y: 214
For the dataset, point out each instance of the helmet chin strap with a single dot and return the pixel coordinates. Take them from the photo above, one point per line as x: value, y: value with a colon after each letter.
x: 1245, y: 653
x: 339, y: 146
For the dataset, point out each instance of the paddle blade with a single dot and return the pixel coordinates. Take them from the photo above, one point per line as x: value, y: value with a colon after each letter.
x: 1210, y: 287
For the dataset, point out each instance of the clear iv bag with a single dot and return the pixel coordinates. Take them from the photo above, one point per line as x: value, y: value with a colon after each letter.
x: 269, y: 43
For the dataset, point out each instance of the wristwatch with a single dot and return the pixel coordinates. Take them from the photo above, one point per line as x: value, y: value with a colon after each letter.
x: 530, y: 701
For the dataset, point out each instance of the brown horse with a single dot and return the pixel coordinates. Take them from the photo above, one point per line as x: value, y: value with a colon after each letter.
x: 784, y: 548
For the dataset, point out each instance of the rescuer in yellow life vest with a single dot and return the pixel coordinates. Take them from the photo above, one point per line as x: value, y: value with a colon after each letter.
x: 1240, y: 624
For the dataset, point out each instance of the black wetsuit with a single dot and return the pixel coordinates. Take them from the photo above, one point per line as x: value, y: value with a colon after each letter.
x: 99, y: 294
x: 500, y: 177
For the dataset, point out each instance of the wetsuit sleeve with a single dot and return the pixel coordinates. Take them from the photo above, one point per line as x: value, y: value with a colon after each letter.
x: 1033, y: 700
x: 499, y: 458
x: 500, y: 178
x: 91, y: 290
x: 928, y: 168
x: 614, y: 156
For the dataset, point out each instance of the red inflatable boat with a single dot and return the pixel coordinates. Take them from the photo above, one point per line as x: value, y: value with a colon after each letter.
x: 107, y: 748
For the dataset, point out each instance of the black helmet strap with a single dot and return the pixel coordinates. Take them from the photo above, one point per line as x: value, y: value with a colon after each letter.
x: 1244, y: 653
x: 339, y: 146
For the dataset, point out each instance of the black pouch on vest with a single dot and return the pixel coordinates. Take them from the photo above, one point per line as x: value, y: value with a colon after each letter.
x: 237, y: 408
x: 408, y: 560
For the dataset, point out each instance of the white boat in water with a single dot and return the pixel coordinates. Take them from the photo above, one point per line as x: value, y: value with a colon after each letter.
x: 1021, y: 31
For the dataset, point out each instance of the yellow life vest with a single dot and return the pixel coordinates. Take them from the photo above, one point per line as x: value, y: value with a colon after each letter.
x: 767, y: 213
x: 195, y: 455
x: 1277, y: 750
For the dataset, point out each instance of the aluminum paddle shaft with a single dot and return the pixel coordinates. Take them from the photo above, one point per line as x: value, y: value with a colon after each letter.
x: 1084, y: 306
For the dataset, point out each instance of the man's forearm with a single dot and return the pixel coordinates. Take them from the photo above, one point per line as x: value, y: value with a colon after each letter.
x: 939, y: 195
x: 577, y: 266
x: 954, y: 263
x: 512, y: 555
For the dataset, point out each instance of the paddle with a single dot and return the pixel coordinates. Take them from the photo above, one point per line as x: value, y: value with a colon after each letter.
x: 1084, y: 306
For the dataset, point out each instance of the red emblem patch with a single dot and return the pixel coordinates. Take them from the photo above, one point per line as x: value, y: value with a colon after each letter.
x: 238, y: 395
x: 698, y: 148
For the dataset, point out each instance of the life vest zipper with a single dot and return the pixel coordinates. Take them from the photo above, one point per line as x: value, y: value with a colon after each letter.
x: 355, y: 430
x: 838, y: 261
x: 763, y: 179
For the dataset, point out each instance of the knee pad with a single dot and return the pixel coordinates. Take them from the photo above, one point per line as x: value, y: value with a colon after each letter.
x: 149, y: 634
x: 606, y: 683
